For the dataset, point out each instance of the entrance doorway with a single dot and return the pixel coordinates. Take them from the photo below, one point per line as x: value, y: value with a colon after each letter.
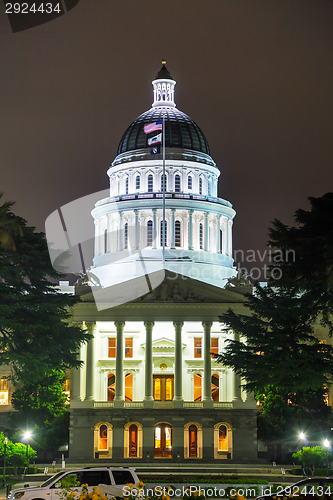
x: 163, y: 441
x: 163, y: 387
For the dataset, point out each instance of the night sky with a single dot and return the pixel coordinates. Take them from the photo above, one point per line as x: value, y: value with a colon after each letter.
x: 257, y: 77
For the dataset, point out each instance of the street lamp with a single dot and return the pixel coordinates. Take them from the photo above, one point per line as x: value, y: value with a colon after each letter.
x: 5, y: 441
x: 27, y: 437
x: 326, y: 444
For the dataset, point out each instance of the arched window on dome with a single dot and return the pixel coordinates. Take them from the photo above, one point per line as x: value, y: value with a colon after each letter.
x: 150, y: 183
x: 177, y: 183
x: 126, y: 235
x: 200, y: 185
x: 149, y: 233
x: 165, y: 236
x: 201, y: 236
x: 177, y: 233
x: 126, y: 185
x: 137, y: 182
x: 189, y: 182
x: 163, y: 182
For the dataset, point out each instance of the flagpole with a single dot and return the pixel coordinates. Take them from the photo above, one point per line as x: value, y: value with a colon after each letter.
x: 163, y: 191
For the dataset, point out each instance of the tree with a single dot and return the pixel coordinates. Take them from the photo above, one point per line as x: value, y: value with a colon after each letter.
x: 310, y: 271
x: 9, y: 226
x: 279, y: 358
x: 316, y: 456
x: 36, y: 338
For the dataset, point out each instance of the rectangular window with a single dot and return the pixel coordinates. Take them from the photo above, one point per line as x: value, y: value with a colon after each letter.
x: 3, y: 391
x: 112, y: 347
x: 198, y: 347
x: 214, y: 346
x: 129, y: 347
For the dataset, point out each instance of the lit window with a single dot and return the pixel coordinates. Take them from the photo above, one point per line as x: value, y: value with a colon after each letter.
x: 214, y: 346
x: 103, y: 438
x: 167, y: 437
x: 111, y: 387
x: 112, y: 347
x: 168, y: 389
x: 177, y: 183
x: 129, y: 387
x: 3, y: 391
x: 189, y: 182
x: 197, y: 387
x: 133, y: 440
x: 193, y: 441
x: 197, y: 347
x: 150, y: 183
x: 149, y: 233
x: 157, y: 388
x: 215, y: 387
x: 66, y: 390
x: 177, y: 233
x: 157, y: 437
x: 137, y: 182
x: 129, y: 347
x: 223, y: 438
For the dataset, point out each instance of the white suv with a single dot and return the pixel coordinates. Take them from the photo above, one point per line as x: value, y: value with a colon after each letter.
x: 110, y: 480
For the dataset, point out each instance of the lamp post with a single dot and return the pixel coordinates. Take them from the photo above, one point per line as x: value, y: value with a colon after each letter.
x: 27, y: 436
x: 326, y: 444
x: 5, y: 441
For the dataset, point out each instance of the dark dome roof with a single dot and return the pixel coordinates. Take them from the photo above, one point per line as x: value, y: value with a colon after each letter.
x: 180, y: 131
x: 163, y: 73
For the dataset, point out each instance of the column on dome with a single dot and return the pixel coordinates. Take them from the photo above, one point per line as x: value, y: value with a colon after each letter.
x: 207, y: 392
x: 136, y: 236
x: 218, y: 229
x: 90, y: 363
x: 154, y: 228
x: 206, y: 232
x: 149, y: 362
x: 190, y: 230
x: 119, y: 396
x: 173, y: 210
x: 229, y: 237
x: 108, y: 234
x: 114, y: 233
x: 96, y: 222
x: 224, y: 236
x: 185, y: 226
x: 120, y: 232
x: 178, y: 325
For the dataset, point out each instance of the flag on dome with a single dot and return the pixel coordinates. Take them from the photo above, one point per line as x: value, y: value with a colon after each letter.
x: 152, y: 127
x: 157, y: 139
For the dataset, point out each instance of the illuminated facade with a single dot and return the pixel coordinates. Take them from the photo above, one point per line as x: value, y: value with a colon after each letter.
x: 149, y: 389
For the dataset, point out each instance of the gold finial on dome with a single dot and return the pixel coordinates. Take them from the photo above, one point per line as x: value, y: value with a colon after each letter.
x: 163, y: 61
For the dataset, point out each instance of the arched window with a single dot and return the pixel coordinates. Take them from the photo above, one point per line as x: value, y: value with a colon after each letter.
x: 133, y: 440
x: 128, y: 387
x: 189, y: 182
x: 193, y: 441
x: 200, y: 185
x: 163, y: 183
x: 103, y: 438
x: 137, y: 182
x: 149, y: 233
x: 223, y: 438
x: 177, y: 183
x: 223, y: 441
x: 111, y: 387
x: 125, y: 235
x: 126, y: 185
x: 197, y: 387
x: 165, y: 236
x: 200, y: 236
x: 150, y: 183
x: 215, y: 387
x: 177, y: 233
x: 3, y: 391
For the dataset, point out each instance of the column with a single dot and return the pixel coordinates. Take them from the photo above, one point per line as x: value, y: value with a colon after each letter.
x: 154, y: 228
x: 236, y: 379
x: 178, y: 325
x: 120, y: 232
x: 173, y: 228
x: 119, y: 361
x: 190, y: 229
x: 207, y: 393
x: 218, y: 235
x: 108, y: 233
x: 136, y: 242
x: 149, y: 363
x: 230, y: 237
x: 96, y: 221
x: 90, y: 364
x: 206, y: 233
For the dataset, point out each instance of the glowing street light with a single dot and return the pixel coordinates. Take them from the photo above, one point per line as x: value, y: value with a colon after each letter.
x: 326, y: 443
x: 27, y: 436
x: 301, y: 436
x: 5, y: 441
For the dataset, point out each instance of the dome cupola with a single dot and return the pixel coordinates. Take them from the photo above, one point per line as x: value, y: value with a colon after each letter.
x: 164, y: 88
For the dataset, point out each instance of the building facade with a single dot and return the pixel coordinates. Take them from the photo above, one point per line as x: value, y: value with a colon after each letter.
x: 149, y: 389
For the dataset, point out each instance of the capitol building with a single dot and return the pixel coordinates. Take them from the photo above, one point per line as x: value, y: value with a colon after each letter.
x: 149, y: 389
